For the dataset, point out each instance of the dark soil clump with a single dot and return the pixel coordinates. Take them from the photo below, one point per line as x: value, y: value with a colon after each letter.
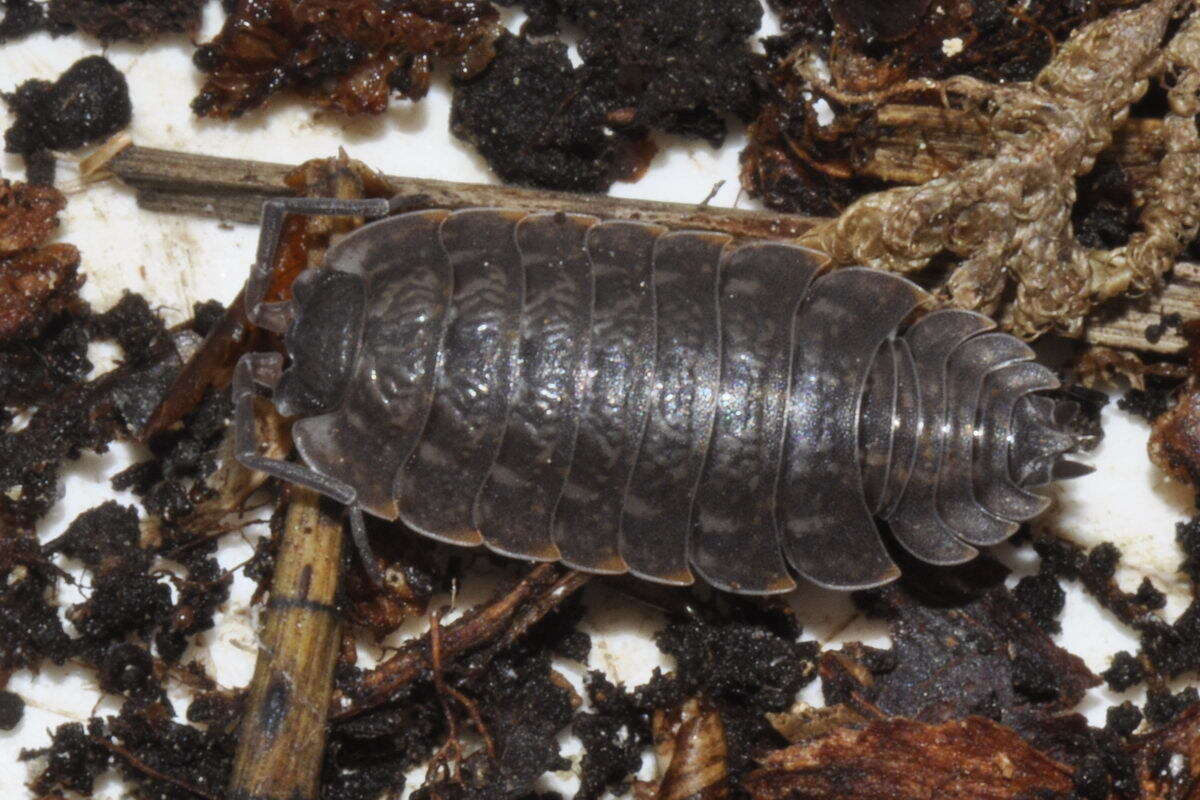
x: 128, y: 20
x: 89, y: 102
x: 677, y: 66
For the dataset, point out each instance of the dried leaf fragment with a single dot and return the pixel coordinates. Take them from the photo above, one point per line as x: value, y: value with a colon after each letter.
x: 345, y: 56
x: 1177, y: 746
x: 955, y: 653
x: 37, y: 281
x: 896, y: 759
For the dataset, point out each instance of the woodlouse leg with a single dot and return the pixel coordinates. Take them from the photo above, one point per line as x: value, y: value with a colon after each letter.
x: 265, y: 369
x: 358, y: 535
x: 276, y: 316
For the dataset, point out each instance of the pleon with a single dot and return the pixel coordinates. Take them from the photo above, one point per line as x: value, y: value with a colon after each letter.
x: 906, y: 429
x: 995, y: 488
x: 967, y: 369
x: 877, y: 434
x: 914, y: 521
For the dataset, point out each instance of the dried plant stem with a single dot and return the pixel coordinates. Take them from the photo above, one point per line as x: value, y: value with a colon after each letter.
x: 282, y: 738
x: 499, y: 623
x: 234, y: 189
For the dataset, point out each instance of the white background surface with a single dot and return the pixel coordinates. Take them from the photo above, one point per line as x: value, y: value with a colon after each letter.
x: 175, y: 261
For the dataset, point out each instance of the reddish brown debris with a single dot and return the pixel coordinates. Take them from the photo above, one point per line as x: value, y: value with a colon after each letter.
x: 37, y: 281
x: 897, y: 759
x: 1169, y: 759
x: 28, y: 214
x: 346, y: 56
x: 302, y: 246
x: 1175, y: 439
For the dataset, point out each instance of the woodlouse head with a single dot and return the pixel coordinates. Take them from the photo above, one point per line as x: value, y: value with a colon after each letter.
x: 322, y: 342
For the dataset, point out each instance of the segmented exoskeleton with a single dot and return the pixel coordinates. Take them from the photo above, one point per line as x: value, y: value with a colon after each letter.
x: 625, y: 398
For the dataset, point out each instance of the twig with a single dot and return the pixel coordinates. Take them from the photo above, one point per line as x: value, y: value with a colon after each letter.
x: 439, y: 678
x: 504, y: 620
x: 441, y: 759
x: 234, y: 189
x: 282, y: 736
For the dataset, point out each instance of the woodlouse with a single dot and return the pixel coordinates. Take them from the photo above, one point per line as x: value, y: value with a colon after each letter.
x: 624, y: 398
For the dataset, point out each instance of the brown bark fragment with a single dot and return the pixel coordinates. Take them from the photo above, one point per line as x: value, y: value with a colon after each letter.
x: 690, y: 741
x: 1174, y: 444
x: 897, y: 759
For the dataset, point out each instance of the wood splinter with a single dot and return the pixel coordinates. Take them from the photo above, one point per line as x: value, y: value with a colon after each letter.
x: 234, y: 189
x: 281, y: 742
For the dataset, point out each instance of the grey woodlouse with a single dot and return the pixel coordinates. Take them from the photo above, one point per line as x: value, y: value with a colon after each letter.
x: 624, y: 398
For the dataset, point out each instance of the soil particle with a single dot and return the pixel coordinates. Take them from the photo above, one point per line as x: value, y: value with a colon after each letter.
x: 1126, y: 672
x: 73, y: 760
x: 12, y: 709
x: 1042, y: 598
x: 131, y: 20
x: 21, y: 18
x: 676, y: 66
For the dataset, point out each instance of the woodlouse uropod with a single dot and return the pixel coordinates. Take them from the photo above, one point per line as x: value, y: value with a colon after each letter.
x: 624, y: 398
